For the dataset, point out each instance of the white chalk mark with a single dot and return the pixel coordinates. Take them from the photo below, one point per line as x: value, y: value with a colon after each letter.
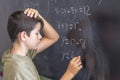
x: 48, y: 8
x: 99, y: 2
x: 63, y: 56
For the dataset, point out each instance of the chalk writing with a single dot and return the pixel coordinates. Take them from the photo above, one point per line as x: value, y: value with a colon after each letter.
x: 99, y: 2
x: 73, y: 11
x: 53, y: 1
x: 31, y: 4
x: 67, y: 55
x: 73, y: 42
x: 64, y: 26
x: 36, y: 5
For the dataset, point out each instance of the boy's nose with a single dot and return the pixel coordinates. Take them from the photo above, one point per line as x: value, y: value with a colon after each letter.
x: 40, y: 36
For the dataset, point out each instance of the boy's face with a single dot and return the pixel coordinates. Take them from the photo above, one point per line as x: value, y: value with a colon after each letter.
x: 34, y: 39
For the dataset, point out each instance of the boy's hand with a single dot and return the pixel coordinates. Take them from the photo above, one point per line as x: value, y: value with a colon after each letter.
x: 31, y: 12
x: 74, y: 66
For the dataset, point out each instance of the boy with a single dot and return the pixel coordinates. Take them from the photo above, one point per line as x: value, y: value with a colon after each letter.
x: 24, y: 31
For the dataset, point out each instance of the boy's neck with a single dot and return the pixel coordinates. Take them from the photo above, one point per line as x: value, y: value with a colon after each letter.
x: 19, y: 49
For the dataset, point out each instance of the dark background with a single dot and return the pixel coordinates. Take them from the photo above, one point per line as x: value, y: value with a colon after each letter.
x: 97, y: 22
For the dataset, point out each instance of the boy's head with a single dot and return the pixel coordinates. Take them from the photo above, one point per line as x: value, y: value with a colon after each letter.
x: 18, y: 22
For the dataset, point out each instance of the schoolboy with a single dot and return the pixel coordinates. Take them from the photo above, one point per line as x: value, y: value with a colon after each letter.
x: 24, y: 31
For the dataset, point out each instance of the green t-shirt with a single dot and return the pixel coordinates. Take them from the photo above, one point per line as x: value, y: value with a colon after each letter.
x: 17, y: 67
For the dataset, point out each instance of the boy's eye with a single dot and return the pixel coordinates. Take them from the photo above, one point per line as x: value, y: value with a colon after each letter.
x: 37, y: 33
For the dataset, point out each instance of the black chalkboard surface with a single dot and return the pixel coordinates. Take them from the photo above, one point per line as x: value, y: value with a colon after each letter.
x: 72, y: 20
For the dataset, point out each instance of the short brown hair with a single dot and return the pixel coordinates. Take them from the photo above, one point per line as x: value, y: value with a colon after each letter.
x: 18, y: 22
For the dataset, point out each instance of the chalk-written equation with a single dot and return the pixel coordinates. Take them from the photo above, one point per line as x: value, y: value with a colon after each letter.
x: 73, y: 40
x: 28, y: 3
x: 42, y: 8
x: 73, y: 10
x: 70, y: 49
x: 64, y: 26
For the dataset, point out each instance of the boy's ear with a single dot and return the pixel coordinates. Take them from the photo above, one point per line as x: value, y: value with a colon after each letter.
x: 23, y: 36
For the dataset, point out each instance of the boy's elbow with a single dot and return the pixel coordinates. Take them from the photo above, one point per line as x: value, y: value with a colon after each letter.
x: 57, y: 37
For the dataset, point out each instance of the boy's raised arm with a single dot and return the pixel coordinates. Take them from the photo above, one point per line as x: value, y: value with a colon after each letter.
x: 50, y: 34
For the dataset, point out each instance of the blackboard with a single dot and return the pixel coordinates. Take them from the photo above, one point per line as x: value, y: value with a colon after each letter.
x: 71, y: 20
x: 74, y: 21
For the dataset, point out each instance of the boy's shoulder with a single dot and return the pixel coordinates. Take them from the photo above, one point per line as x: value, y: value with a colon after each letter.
x: 7, y: 57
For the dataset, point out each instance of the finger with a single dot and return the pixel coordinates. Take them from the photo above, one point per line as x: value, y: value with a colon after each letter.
x: 74, y: 59
x: 35, y: 15
x: 26, y: 10
x: 80, y: 67
x: 79, y: 63
x: 29, y: 12
x: 32, y: 14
